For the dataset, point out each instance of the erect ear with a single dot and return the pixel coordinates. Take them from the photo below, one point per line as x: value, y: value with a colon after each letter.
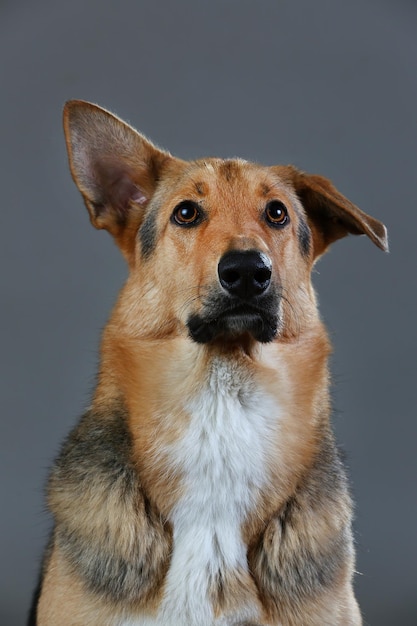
x: 331, y: 215
x: 115, y: 168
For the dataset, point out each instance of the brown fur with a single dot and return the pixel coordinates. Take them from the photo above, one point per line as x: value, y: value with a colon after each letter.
x: 112, y: 489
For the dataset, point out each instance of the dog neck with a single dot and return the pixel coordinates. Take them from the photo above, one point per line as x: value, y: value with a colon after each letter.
x: 161, y: 381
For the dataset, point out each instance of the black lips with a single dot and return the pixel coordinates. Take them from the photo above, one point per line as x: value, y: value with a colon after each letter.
x: 231, y: 320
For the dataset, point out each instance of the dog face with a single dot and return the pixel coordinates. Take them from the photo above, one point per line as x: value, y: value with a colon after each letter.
x: 219, y: 250
x: 223, y: 243
x: 233, y: 236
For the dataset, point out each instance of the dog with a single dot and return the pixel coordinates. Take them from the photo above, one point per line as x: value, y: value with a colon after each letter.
x: 203, y: 486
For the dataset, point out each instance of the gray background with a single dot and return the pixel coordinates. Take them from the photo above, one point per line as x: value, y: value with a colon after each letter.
x: 328, y: 85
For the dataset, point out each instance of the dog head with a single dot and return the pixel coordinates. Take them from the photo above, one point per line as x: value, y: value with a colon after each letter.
x: 219, y: 249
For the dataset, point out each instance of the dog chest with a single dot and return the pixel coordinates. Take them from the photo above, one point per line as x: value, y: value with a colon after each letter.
x: 223, y: 460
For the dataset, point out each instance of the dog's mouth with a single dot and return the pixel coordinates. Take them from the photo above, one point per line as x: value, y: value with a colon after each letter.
x: 234, y: 320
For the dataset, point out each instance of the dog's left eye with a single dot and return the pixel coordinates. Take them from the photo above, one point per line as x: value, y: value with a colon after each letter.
x: 187, y: 213
x: 276, y: 213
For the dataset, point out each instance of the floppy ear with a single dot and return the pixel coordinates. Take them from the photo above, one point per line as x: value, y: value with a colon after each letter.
x: 115, y: 168
x: 331, y: 215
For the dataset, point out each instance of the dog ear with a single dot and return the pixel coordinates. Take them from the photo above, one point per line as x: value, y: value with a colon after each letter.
x: 331, y: 215
x: 115, y: 168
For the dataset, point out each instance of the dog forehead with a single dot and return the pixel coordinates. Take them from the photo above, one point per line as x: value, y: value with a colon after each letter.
x: 237, y: 177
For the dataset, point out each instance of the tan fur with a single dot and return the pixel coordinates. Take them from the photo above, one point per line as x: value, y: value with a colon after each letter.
x: 64, y: 601
x: 149, y: 367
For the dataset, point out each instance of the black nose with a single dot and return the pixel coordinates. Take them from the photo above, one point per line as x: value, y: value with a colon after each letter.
x: 245, y: 273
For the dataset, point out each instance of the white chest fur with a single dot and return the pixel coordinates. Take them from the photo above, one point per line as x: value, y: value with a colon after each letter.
x: 223, y: 458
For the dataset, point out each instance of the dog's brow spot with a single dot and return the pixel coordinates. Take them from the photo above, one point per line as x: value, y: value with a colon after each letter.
x: 201, y: 188
x: 265, y: 189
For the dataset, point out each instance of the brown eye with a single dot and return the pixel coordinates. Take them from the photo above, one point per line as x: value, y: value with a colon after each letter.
x: 187, y: 213
x: 276, y: 213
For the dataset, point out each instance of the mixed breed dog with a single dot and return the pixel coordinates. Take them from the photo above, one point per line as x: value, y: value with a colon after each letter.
x: 203, y: 486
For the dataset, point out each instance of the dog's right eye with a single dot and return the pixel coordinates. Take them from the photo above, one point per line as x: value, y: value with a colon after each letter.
x: 186, y: 213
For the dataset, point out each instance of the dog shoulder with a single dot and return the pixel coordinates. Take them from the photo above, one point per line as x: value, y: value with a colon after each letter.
x: 105, y: 527
x: 306, y: 549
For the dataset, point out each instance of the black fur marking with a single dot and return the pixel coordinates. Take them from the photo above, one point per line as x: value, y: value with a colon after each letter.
x: 121, y: 546
x: 232, y: 317
x: 33, y: 611
x: 34, y: 605
x: 289, y: 565
x: 199, y: 187
x: 230, y: 170
x: 265, y: 189
x: 148, y: 235
x: 304, y: 237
